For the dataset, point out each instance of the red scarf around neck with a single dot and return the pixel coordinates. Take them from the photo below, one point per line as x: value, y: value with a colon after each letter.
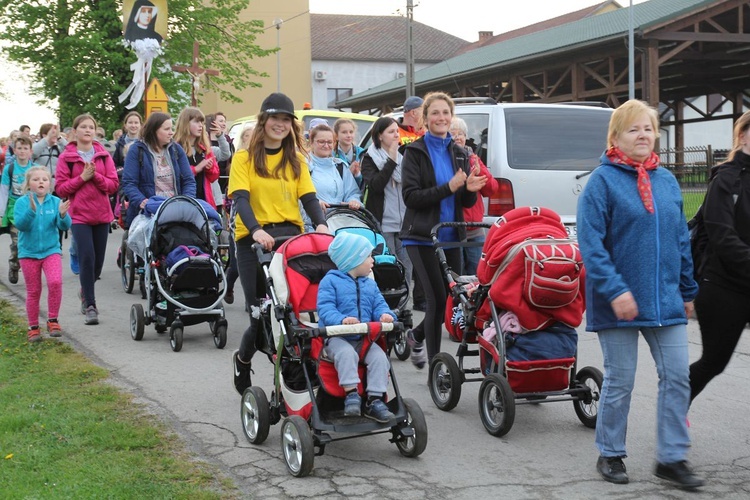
x: 615, y: 155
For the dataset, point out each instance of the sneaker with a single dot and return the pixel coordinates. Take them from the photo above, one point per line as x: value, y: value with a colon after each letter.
x: 34, y: 334
x: 92, y: 316
x: 418, y: 354
x: 13, y: 275
x: 378, y: 411
x: 680, y: 474
x: 74, y: 264
x: 352, y: 405
x: 53, y: 328
x: 229, y: 297
x: 242, y: 373
x: 612, y: 469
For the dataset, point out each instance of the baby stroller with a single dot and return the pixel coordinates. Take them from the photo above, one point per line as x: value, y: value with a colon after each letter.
x: 388, y: 271
x: 183, y: 277
x: 530, y: 268
x: 306, y: 393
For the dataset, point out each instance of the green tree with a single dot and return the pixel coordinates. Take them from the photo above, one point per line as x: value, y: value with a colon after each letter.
x: 72, y: 51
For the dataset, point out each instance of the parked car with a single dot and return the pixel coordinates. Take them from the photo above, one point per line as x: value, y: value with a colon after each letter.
x: 541, y: 154
x: 364, y: 122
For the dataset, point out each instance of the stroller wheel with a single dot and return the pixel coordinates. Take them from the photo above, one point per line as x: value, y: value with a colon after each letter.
x: 175, y: 336
x: 137, y: 321
x: 220, y: 333
x: 401, y: 347
x: 445, y: 381
x: 587, y: 405
x: 298, y: 446
x: 127, y: 268
x: 255, y: 415
x: 497, y: 406
x: 413, y: 446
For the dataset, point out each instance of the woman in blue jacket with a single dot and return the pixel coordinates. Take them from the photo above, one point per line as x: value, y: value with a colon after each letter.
x: 639, y: 278
x: 155, y: 166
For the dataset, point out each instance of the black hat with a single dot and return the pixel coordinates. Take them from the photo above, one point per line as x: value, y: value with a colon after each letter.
x: 277, y: 103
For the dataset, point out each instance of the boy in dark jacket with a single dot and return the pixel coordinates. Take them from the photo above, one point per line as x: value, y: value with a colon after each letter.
x: 347, y: 296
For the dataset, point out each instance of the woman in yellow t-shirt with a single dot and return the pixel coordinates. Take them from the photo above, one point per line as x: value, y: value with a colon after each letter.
x: 267, y: 181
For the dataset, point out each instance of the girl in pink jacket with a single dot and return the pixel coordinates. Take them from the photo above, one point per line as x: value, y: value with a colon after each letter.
x: 86, y: 176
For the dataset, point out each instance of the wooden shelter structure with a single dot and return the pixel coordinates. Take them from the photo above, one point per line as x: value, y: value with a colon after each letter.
x: 684, y: 49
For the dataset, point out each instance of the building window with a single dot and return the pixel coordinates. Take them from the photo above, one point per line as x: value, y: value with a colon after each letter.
x: 335, y: 95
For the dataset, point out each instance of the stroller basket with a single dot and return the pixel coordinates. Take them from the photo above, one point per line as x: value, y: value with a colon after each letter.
x: 539, y: 376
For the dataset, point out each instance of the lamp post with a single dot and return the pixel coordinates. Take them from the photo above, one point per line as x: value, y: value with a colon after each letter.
x: 631, y: 55
x: 278, y: 22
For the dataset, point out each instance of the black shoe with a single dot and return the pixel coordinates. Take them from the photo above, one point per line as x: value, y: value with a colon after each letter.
x: 13, y: 275
x: 229, y: 297
x: 420, y: 306
x: 612, y: 469
x: 242, y: 373
x: 680, y: 474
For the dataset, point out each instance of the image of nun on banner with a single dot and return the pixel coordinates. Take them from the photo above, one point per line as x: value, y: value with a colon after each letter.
x: 145, y: 19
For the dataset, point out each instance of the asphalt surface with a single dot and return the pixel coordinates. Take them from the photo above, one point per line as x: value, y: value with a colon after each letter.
x: 548, y: 454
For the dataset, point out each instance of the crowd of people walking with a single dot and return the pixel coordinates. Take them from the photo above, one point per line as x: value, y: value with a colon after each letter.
x: 278, y: 180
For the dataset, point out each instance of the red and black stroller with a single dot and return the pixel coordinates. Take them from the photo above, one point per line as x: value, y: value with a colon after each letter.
x: 306, y: 393
x: 521, y: 311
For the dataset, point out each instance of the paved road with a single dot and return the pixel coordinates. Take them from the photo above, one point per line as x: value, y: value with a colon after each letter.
x: 547, y: 454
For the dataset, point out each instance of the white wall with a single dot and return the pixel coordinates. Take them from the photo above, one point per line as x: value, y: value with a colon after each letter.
x: 359, y: 76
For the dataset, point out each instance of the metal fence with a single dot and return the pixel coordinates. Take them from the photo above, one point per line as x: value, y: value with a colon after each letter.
x: 691, y: 167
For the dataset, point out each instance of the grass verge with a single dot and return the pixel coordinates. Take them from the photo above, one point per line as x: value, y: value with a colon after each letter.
x: 66, y: 433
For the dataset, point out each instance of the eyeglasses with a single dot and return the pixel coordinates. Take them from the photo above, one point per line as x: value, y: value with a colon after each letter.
x: 324, y: 143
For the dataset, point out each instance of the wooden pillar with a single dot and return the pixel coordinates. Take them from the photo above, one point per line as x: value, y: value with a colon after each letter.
x: 575, y: 81
x: 679, y: 132
x: 650, y: 77
x: 517, y: 89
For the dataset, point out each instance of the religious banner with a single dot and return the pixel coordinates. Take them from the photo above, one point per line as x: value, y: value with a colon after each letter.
x: 145, y: 27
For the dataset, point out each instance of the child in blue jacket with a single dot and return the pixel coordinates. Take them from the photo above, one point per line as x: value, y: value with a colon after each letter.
x: 38, y: 216
x: 348, y: 296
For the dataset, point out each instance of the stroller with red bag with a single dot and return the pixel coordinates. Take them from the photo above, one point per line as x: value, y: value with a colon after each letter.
x: 306, y: 392
x: 520, y: 310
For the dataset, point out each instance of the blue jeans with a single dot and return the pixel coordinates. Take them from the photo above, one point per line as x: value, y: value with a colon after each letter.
x: 669, y: 348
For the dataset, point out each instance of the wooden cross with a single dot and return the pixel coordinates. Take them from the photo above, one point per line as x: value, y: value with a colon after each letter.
x: 195, y: 72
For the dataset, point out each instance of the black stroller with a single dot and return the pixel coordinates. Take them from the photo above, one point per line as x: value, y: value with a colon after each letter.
x: 183, y: 276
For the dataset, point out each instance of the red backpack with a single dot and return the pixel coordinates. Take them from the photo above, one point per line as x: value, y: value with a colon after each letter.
x: 534, y: 269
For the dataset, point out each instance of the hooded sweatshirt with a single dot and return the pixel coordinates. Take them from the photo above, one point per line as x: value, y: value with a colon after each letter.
x: 89, y: 201
x: 38, y: 228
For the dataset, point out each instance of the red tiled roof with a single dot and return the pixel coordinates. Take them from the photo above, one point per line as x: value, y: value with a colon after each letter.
x: 377, y: 38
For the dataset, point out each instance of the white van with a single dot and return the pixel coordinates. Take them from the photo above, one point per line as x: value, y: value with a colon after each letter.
x: 541, y: 154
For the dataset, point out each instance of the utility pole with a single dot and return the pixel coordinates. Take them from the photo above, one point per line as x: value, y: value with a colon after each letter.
x: 277, y: 22
x: 410, y: 86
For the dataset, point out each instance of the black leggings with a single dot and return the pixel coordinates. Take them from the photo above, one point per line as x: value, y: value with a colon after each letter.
x: 92, y: 245
x: 427, y: 267
x: 251, y: 281
x: 722, y: 315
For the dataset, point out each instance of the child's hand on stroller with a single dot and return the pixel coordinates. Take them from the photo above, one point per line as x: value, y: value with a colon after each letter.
x: 263, y: 238
x: 386, y: 318
x: 350, y: 320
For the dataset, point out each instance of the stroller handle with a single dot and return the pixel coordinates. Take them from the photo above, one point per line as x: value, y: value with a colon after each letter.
x: 468, y: 225
x: 261, y: 252
x: 372, y: 328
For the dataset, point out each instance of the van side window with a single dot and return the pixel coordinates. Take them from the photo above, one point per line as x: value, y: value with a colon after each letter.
x: 574, y: 138
x: 476, y: 139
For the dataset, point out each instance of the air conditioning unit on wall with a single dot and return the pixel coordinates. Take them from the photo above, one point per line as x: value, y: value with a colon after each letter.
x: 319, y: 75
x: 400, y: 74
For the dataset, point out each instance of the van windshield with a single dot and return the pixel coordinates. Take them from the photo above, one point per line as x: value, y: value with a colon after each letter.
x: 556, y: 139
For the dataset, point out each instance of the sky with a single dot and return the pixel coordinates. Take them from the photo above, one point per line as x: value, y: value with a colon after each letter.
x: 462, y: 18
